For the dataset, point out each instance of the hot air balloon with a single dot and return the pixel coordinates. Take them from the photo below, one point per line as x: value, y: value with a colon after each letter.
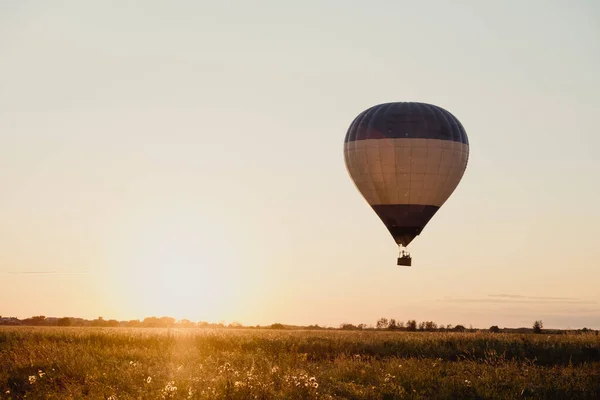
x: 406, y: 159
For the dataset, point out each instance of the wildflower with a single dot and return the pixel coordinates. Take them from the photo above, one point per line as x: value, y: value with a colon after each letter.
x: 275, y: 369
x: 41, y: 373
x: 225, y: 368
x: 467, y: 382
x: 32, y: 379
x: 7, y: 392
x: 315, y: 385
x: 149, y: 379
x: 171, y: 387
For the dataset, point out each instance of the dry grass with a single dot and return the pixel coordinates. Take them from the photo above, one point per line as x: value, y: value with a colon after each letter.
x: 118, y: 363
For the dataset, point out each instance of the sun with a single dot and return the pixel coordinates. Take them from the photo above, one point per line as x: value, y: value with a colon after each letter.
x: 180, y: 271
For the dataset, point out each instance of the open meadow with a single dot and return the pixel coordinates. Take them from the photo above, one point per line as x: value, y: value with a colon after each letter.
x: 121, y: 363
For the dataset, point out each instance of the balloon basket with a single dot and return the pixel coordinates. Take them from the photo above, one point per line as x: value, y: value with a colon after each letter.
x: 404, y: 258
x: 405, y: 261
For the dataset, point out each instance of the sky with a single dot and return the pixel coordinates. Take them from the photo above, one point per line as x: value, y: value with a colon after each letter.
x: 185, y: 158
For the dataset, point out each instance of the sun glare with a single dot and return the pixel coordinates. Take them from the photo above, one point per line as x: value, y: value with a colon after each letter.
x: 181, y: 272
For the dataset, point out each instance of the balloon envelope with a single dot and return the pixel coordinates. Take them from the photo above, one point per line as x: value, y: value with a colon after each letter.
x: 406, y: 159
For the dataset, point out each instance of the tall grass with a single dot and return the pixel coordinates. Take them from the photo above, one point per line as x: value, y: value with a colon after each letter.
x: 59, y: 363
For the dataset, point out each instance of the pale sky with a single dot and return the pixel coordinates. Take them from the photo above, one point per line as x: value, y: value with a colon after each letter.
x: 185, y: 158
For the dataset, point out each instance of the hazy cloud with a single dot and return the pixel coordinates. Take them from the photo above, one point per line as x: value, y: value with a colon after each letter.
x: 518, y: 296
x: 518, y: 299
x: 48, y: 272
x: 510, y: 296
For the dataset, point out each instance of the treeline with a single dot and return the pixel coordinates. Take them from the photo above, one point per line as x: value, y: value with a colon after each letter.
x: 149, y: 322
x: 410, y: 325
x: 383, y: 324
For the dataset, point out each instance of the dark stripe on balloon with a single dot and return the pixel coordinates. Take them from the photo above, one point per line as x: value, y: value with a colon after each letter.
x: 405, y: 221
x: 409, y: 120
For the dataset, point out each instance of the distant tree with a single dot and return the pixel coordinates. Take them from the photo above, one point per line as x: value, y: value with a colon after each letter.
x: 392, y: 325
x: 361, y: 326
x: 411, y: 325
x: 347, y: 327
x: 134, y: 323
x: 494, y: 329
x: 36, y: 320
x: 277, y: 326
x: 430, y: 326
x: 235, y: 324
x: 382, y: 323
x: 99, y: 322
x: 66, y: 321
x: 400, y: 325
x: 459, y: 328
x: 151, y: 322
x: 422, y: 326
x: 449, y: 326
x: 167, y: 322
x: 537, y: 326
x: 185, y: 323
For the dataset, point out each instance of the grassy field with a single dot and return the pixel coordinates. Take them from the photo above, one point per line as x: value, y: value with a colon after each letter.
x: 120, y: 363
